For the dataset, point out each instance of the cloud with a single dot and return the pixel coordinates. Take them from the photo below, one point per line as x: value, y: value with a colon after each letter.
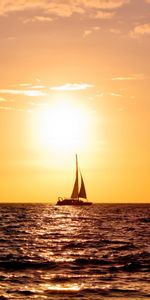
x: 61, y: 8
x: 115, y: 31
x: 115, y: 95
x: 11, y: 38
x: 30, y: 93
x: 54, y: 7
x: 103, y: 4
x: 72, y: 87
x: 139, y: 30
x: 31, y: 86
x: 25, y: 84
x: 11, y: 108
x: 103, y: 15
x: 2, y: 99
x: 91, y: 30
x: 5, y: 108
x: 131, y: 77
x: 87, y: 32
x: 38, y: 87
x: 38, y: 19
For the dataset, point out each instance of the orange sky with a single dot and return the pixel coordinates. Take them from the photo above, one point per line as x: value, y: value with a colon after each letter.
x: 75, y: 77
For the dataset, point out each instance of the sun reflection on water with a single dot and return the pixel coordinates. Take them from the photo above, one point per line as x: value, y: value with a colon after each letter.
x: 69, y: 287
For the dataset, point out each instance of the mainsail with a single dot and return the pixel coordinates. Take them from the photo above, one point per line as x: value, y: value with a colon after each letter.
x: 75, y: 188
x: 76, y: 193
x: 82, y: 192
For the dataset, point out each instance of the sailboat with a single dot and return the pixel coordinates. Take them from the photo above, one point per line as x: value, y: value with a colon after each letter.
x: 77, y: 192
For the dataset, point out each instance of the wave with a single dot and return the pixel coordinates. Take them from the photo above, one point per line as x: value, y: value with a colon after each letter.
x: 93, y: 261
x: 22, y: 265
x: 138, y: 261
x: 21, y: 292
x: 145, y: 220
x: 79, y: 292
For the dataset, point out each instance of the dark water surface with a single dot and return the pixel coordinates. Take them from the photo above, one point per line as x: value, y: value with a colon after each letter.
x: 95, y: 252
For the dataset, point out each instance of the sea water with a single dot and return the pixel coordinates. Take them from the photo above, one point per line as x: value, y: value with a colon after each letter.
x: 93, y: 252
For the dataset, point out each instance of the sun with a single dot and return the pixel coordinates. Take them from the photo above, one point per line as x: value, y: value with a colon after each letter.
x: 62, y: 126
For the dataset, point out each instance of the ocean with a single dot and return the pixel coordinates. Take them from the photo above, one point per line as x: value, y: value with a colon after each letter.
x: 94, y: 252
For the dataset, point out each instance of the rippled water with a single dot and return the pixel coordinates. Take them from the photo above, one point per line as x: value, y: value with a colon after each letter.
x: 95, y: 252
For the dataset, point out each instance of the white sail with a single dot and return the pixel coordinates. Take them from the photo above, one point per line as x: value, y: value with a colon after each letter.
x: 82, y: 192
x: 74, y: 194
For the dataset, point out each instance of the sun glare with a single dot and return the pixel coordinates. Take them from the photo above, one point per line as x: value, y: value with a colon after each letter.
x: 61, y: 126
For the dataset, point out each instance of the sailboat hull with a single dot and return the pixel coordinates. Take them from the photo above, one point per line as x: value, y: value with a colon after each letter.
x: 73, y: 202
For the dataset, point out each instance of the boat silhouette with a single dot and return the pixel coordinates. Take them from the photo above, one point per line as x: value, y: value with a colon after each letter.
x: 77, y: 192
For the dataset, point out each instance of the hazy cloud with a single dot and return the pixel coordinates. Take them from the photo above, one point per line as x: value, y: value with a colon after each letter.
x: 143, y: 29
x: 11, y: 108
x: 91, y: 30
x: 115, y: 31
x: 87, y: 32
x: 103, y: 15
x: 38, y: 19
x: 30, y: 93
x: 31, y: 85
x: 60, y: 7
x: 2, y: 99
x: 6, y: 108
x: 115, y: 95
x: 72, y: 87
x: 103, y: 4
x: 38, y: 86
x: 130, y: 77
x: 25, y: 84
